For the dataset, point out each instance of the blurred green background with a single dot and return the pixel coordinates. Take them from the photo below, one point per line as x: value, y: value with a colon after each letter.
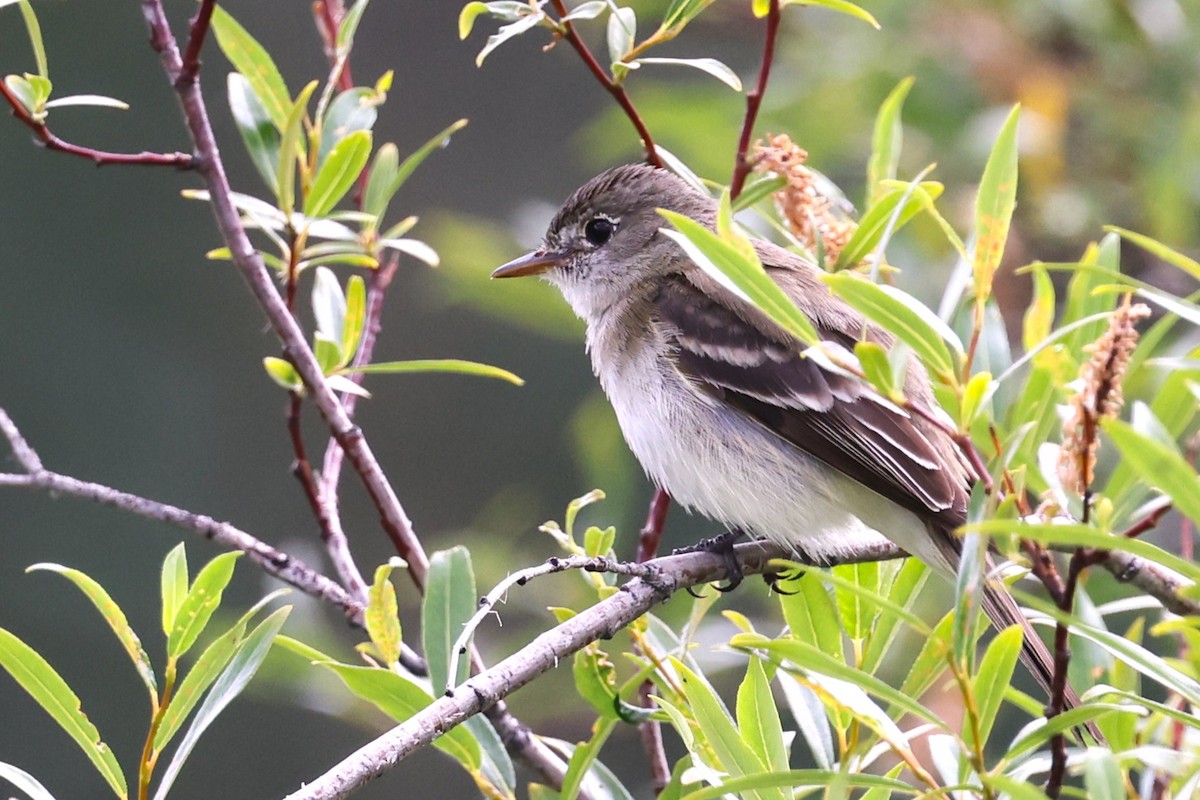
x: 129, y: 359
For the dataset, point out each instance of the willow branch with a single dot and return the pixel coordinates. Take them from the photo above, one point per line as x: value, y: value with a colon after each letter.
x: 100, y: 158
x: 616, y: 90
x: 754, y: 97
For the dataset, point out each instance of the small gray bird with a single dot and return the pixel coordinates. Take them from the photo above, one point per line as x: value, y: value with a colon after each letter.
x: 724, y: 412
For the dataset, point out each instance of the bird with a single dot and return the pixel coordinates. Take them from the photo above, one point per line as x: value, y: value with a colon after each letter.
x: 726, y: 412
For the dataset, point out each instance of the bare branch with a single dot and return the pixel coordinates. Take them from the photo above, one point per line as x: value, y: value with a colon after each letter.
x: 198, y: 32
x: 754, y: 97
x: 100, y: 158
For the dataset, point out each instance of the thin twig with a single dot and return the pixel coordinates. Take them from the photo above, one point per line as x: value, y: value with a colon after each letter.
x: 99, y: 157
x: 612, y: 87
x: 754, y: 97
x: 197, y: 33
x: 328, y: 15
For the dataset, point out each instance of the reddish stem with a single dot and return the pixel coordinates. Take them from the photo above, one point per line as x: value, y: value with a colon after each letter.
x: 99, y: 157
x: 613, y: 88
x: 197, y: 33
x: 741, y: 165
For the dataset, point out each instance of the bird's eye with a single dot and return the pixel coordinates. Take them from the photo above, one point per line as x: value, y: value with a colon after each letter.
x: 599, y: 230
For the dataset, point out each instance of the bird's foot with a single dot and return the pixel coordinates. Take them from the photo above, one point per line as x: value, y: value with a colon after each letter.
x: 722, y: 546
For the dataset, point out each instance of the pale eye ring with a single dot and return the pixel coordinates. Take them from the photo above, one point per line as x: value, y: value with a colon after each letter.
x: 599, y: 230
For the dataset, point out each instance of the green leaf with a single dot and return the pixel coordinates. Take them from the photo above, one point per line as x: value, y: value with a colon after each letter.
x: 1039, y: 316
x: 253, y: 61
x: 382, y: 617
x: 902, y: 593
x: 174, y: 583
x: 1102, y: 776
x: 994, y: 206
x: 596, y: 680
x: 681, y: 12
x: 349, y: 25
x: 467, y: 17
x: 1160, y: 464
x: 1157, y: 248
x: 291, y: 149
x: 968, y: 597
x: 930, y: 662
x: 400, y: 698
x: 115, y: 618
x: 758, y: 190
x: 995, y: 674
x: 451, y: 365
x: 202, y: 600
x: 283, y: 373
x: 208, y: 666
x: 857, y: 613
x: 34, y: 29
x: 353, y: 111
x: 808, y: 657
x: 710, y: 65
x: 735, y: 756
x: 876, y: 368
x: 886, y: 142
x: 621, y: 34
x: 383, y: 173
x: 758, y: 718
x: 450, y: 601
x: 584, y: 756
x: 841, y: 6
x: 52, y: 693
x: 799, y: 779
x: 245, y: 662
x: 888, y: 214
x: 258, y: 130
x: 902, y: 315
x: 388, y: 190
x: 506, y: 32
x: 739, y: 270
x: 355, y: 319
x: 810, y: 613
x: 414, y: 248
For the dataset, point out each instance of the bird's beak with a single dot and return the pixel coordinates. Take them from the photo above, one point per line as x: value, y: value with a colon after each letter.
x: 534, y: 263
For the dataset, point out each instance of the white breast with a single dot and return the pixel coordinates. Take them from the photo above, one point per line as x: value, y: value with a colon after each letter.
x: 732, y: 470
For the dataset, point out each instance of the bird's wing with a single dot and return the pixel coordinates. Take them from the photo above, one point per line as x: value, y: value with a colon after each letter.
x: 726, y: 348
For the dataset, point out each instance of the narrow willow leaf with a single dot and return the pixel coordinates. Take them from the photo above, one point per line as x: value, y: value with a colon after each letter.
x: 902, y: 315
x: 51, y: 692
x: 758, y: 190
x: 413, y: 247
x: 292, y: 149
x: 338, y: 173
x: 758, y: 718
x: 891, y: 212
x: 245, y: 662
x: 681, y: 12
x: 352, y: 111
x: 257, y: 128
x: 382, y: 617
x: 710, y: 65
x: 349, y: 25
x: 808, y: 657
x: 115, y: 618
x: 174, y: 583
x: 387, y: 190
x: 467, y: 17
x: 450, y: 600
x: 19, y: 777
x: 507, y: 32
x: 735, y: 756
x: 452, y: 365
x: 994, y: 206
x: 400, y: 698
x: 797, y: 779
x: 383, y: 174
x: 968, y: 598
x: 741, y: 272
x: 98, y: 100
x: 621, y: 33
x: 252, y: 60
x: 841, y: 6
x: 1157, y: 248
x: 329, y: 305
x: 976, y: 395
x: 497, y: 764
x: 811, y: 614
x: 355, y: 319
x: 202, y: 600
x: 886, y: 142
x: 876, y: 369
x: 208, y: 666
x: 995, y: 674
x: 1039, y: 317
x: 584, y: 756
x: 902, y: 593
x: 930, y: 662
x: 858, y: 614
x: 34, y: 29
x: 1102, y: 776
